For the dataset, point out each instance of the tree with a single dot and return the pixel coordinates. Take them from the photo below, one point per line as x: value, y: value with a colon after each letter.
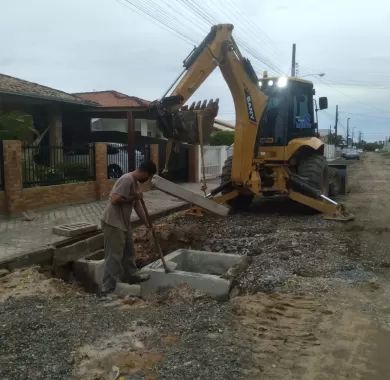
x: 16, y: 125
x: 222, y: 138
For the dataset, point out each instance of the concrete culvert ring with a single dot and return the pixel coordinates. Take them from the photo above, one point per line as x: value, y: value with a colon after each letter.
x: 314, y: 169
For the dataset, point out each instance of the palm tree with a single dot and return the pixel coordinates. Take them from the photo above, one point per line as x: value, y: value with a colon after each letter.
x: 16, y: 125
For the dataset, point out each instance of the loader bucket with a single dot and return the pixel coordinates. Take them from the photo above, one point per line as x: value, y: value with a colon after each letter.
x: 192, y: 125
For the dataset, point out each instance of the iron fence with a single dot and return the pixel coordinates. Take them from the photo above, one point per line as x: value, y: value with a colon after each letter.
x: 118, y: 158
x: 1, y: 166
x: 53, y: 165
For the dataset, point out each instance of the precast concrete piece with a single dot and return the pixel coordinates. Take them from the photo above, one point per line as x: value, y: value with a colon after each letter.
x: 74, y: 229
x: 200, y: 270
x: 89, y: 271
x: 182, y: 193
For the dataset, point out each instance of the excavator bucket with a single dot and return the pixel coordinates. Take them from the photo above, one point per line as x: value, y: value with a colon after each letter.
x: 192, y: 125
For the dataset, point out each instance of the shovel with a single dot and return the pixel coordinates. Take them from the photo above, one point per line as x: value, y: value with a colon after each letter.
x: 155, y: 238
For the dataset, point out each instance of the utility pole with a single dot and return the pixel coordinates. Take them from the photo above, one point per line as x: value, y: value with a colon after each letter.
x: 335, y: 124
x: 293, y: 62
x: 348, y: 131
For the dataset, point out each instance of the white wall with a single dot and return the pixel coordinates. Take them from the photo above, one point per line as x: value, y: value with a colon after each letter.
x: 145, y: 127
x: 330, y: 152
x: 214, y: 158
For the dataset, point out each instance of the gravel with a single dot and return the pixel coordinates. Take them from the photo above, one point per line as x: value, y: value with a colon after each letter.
x: 45, y: 331
x: 47, y: 337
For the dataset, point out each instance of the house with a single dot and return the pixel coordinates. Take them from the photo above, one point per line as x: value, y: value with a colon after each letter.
x: 46, y: 105
x: 114, y: 100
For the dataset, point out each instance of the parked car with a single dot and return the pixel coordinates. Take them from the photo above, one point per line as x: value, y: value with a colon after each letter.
x: 351, y: 154
x: 117, y: 158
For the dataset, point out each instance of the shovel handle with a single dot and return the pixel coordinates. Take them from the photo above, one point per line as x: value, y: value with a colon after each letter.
x: 155, y: 238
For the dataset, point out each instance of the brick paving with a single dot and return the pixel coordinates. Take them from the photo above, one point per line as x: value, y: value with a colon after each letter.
x: 19, y: 236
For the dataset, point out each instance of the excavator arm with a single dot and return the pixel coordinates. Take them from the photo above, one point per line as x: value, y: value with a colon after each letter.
x: 193, y: 124
x: 219, y: 49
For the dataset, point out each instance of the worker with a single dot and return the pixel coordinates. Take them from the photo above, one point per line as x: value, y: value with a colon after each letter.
x: 119, y: 255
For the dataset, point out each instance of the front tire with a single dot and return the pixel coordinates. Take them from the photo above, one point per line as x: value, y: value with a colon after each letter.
x: 314, y: 169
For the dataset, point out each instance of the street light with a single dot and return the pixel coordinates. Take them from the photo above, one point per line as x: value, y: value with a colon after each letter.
x: 315, y: 74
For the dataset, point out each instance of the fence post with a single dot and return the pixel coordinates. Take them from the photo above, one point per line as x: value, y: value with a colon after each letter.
x: 193, y: 163
x: 13, y: 182
x: 154, y: 155
x: 101, y: 170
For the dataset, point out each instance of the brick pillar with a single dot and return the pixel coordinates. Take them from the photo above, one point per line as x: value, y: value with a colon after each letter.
x: 155, y: 155
x: 101, y: 170
x: 13, y: 182
x: 193, y: 163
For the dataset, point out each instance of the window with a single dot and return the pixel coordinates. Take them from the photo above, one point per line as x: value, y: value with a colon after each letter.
x: 302, y: 111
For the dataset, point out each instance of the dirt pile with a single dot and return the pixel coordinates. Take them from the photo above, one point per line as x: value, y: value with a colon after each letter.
x: 171, y: 236
x: 31, y: 282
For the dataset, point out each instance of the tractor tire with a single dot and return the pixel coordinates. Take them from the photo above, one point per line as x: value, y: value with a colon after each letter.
x: 314, y: 169
x: 240, y: 203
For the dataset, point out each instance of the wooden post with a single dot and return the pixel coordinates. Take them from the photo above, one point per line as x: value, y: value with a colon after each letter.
x: 131, y: 141
x: 154, y: 155
x: 101, y: 170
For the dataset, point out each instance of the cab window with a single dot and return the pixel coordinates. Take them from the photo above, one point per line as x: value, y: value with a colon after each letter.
x: 302, y: 117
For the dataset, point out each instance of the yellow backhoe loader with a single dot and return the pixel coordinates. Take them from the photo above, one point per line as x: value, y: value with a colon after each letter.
x: 276, y: 148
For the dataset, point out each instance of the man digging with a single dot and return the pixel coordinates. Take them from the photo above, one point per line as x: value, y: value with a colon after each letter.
x: 119, y: 254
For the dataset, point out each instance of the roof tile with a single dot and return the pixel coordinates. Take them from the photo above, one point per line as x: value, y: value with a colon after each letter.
x: 113, y: 98
x: 20, y: 87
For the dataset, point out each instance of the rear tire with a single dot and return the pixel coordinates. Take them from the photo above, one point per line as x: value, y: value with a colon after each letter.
x: 314, y: 169
x: 242, y: 202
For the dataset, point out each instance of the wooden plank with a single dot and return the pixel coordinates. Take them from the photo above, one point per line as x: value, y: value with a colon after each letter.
x: 182, y: 193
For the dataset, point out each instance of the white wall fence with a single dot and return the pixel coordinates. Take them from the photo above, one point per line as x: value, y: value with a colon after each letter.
x: 214, y: 158
x: 330, y: 152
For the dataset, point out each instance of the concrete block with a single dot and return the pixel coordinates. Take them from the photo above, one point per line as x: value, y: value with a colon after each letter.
x: 182, y: 193
x: 89, y: 272
x: 127, y: 290
x: 74, y: 229
x: 95, y: 243
x: 200, y: 270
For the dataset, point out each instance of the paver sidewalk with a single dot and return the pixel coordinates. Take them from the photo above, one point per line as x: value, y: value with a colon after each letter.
x: 19, y: 236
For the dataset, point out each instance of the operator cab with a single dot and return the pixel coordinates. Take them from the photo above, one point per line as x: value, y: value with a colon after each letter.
x: 289, y: 113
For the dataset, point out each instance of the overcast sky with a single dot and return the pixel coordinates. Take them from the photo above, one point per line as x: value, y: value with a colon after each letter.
x: 86, y: 45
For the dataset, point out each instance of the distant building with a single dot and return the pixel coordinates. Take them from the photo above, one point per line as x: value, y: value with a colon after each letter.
x: 117, y: 101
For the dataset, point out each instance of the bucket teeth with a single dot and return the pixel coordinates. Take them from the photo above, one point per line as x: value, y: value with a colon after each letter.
x: 183, y: 125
